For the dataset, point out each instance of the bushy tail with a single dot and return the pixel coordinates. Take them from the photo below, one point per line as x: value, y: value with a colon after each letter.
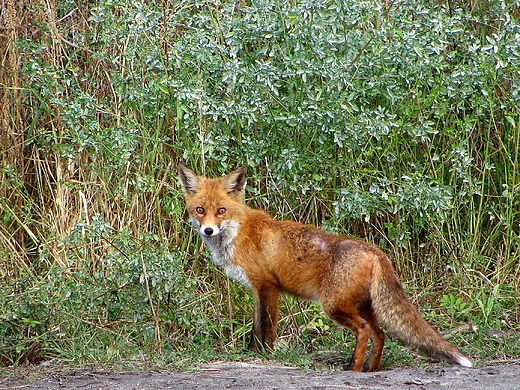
x: 400, y: 317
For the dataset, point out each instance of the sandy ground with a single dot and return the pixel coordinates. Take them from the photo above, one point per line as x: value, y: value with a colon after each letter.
x: 264, y: 375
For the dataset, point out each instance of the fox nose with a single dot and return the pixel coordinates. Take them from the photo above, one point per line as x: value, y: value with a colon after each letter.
x: 208, y: 231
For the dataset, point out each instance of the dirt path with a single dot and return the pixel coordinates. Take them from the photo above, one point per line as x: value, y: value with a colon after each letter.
x: 262, y: 375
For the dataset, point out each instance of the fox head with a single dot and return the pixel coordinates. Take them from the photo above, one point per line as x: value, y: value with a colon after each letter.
x: 213, y: 204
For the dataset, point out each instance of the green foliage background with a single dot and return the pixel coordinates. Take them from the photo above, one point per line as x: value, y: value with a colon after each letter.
x: 394, y: 122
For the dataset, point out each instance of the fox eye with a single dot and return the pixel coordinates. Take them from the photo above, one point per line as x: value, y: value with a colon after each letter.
x: 221, y: 211
x: 199, y: 210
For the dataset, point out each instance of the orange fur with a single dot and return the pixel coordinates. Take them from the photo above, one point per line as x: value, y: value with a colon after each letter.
x: 353, y: 280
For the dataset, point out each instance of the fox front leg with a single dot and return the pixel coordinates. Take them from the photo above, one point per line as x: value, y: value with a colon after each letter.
x: 265, y: 319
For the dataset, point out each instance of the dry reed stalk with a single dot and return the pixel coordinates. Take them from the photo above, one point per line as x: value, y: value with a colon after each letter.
x: 11, y: 130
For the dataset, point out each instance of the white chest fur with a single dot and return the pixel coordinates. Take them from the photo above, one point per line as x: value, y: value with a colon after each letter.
x: 222, y: 250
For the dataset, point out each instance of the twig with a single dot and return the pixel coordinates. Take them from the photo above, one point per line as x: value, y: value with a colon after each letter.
x: 155, y: 318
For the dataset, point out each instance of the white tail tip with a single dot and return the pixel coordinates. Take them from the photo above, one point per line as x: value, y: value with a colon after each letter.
x: 464, y: 361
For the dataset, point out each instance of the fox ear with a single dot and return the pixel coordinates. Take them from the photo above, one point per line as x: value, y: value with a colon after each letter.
x: 189, y: 180
x: 235, y: 182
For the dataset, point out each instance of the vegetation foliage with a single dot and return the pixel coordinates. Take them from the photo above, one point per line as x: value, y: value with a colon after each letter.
x: 396, y: 122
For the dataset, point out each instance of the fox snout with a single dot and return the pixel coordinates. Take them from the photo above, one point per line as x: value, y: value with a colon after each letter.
x: 209, y: 231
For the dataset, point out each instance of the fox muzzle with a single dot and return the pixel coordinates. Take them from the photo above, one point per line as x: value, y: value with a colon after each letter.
x: 209, y: 231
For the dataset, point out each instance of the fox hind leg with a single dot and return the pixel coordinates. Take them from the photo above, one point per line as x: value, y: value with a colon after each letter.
x: 362, y: 330
x: 377, y: 338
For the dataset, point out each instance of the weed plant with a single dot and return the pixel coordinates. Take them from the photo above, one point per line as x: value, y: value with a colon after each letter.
x: 396, y: 122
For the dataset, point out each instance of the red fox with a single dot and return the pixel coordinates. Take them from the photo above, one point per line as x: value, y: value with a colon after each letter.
x: 353, y: 280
